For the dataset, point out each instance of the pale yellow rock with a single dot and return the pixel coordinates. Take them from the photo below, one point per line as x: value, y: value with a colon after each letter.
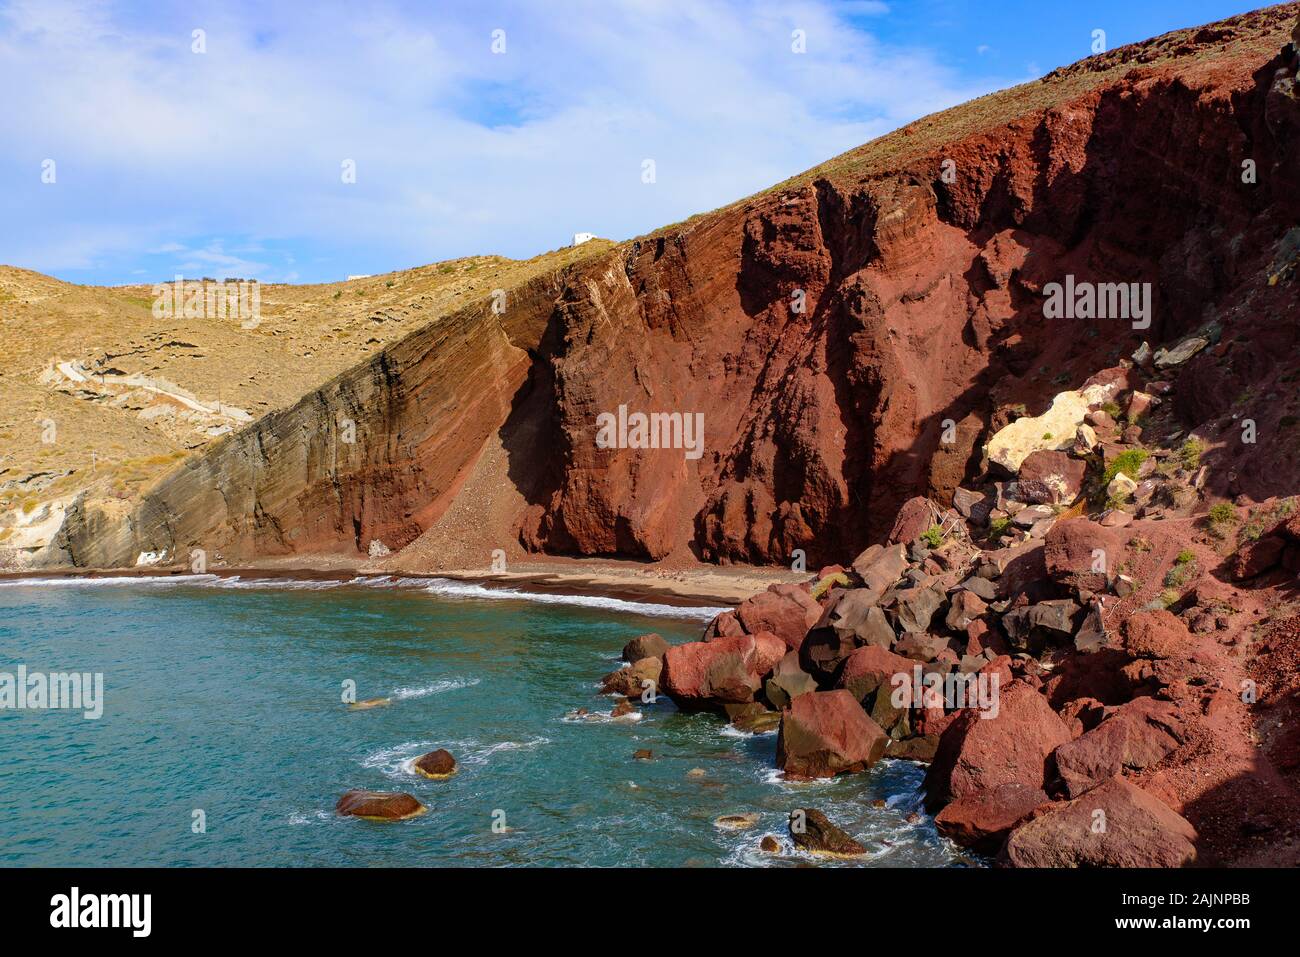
x: 1121, y: 486
x: 35, y: 529
x: 1054, y: 430
x: 1085, y: 439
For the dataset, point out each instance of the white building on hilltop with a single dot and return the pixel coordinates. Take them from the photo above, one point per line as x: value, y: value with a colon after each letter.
x: 580, y: 238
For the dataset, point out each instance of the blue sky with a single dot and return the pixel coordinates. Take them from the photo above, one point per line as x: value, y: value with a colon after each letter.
x: 230, y: 162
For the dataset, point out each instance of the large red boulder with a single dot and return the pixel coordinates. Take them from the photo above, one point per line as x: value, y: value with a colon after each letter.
x: 724, y: 625
x: 787, y: 611
x: 1049, y: 477
x: 983, y: 819
x: 1136, y: 735
x: 705, y: 675
x: 1116, y: 824
x: 871, y: 667
x: 644, y: 646
x: 1080, y: 553
x: 1156, y: 634
x: 978, y: 752
x: 827, y: 733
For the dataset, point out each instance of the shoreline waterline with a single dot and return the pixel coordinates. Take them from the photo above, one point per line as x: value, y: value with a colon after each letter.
x: 563, y: 580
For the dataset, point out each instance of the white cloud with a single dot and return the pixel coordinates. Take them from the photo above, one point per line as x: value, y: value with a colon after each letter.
x: 458, y: 151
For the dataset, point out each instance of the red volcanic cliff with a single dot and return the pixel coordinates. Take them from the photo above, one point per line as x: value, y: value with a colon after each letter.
x: 923, y: 305
x: 919, y: 261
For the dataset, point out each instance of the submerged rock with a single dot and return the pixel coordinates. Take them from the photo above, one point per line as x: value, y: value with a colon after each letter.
x: 379, y: 805
x: 370, y: 703
x: 759, y: 722
x: 623, y: 709
x: 632, y: 680
x: 812, y: 831
x: 736, y: 822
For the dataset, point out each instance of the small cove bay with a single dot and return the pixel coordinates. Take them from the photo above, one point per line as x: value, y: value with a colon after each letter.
x: 224, y: 739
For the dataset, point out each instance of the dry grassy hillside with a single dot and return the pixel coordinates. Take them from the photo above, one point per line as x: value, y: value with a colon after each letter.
x: 95, y: 392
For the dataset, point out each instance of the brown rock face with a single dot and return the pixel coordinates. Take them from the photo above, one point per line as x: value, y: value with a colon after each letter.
x: 375, y: 454
x: 706, y: 675
x: 788, y: 681
x: 978, y: 753
x: 379, y: 805
x: 825, y: 650
x: 983, y: 819
x: 1257, y: 557
x: 855, y: 614
x: 827, y: 733
x: 1116, y: 824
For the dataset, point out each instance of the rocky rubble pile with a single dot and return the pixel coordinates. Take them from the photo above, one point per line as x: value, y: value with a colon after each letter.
x: 1009, y: 641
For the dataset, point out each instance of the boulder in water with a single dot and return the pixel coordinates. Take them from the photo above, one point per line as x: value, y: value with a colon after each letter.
x: 379, y: 805
x: 436, y: 765
x: 644, y: 646
x: 825, y: 733
x: 812, y: 831
x: 703, y: 676
x: 632, y: 680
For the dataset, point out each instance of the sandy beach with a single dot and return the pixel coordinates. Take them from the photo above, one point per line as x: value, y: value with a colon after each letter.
x: 633, y: 581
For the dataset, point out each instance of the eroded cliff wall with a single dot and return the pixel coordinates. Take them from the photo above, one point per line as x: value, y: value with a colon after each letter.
x: 922, y: 281
x: 373, y: 455
x: 849, y: 338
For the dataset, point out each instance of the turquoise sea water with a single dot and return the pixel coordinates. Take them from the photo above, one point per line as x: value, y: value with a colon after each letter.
x: 225, y: 697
